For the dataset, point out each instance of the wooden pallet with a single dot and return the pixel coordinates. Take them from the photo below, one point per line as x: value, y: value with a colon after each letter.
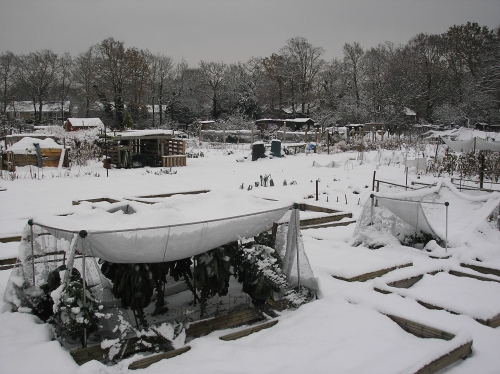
x: 373, y: 274
x: 173, y: 161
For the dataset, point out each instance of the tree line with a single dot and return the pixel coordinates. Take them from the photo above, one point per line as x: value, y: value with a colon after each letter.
x: 444, y: 78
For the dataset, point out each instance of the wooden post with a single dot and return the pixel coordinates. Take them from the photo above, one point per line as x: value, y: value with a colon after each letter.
x: 317, y: 181
x: 284, y: 132
x: 327, y: 141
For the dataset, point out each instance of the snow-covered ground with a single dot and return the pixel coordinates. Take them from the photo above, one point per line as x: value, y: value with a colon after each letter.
x: 344, y: 331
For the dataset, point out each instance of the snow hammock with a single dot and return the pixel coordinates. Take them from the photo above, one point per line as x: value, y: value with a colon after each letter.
x: 42, y: 243
x: 440, y: 211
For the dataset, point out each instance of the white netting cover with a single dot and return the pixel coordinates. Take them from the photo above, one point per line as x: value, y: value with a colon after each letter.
x: 468, y: 145
x: 288, y: 242
x: 172, y: 242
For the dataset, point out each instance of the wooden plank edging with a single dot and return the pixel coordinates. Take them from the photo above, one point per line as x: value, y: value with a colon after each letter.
x: 248, y: 331
x: 145, y: 362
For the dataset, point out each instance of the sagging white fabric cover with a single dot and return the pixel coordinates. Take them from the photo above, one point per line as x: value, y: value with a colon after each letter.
x: 172, y: 242
x: 468, y: 145
x: 290, y: 247
x: 418, y: 163
x: 410, y: 212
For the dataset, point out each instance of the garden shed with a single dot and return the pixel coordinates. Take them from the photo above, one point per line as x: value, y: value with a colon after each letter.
x: 145, y: 147
x: 35, y: 152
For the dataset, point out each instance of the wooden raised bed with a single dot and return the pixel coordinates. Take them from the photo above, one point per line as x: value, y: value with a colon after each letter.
x: 195, y: 329
x: 423, y: 331
x: 205, y: 327
x: 408, y: 282
x: 373, y: 274
x: 246, y: 332
x: 482, y: 269
x: 97, y: 200
x: 145, y: 362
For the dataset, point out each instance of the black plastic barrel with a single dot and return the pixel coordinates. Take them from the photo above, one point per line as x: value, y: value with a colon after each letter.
x: 258, y: 151
x: 276, y: 148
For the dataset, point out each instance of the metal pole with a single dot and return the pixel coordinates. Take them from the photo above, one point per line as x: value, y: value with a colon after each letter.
x: 108, y: 163
x: 446, y: 204
x: 30, y: 222
x: 83, y: 234
x: 372, y: 196
x: 317, y: 181
x: 296, y: 225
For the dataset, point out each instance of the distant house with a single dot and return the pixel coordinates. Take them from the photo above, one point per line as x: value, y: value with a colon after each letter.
x: 76, y: 124
x: 294, y: 124
x: 26, y: 110
x: 486, y: 127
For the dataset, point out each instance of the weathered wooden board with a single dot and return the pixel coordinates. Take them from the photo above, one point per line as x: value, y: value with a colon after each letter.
x: 248, y: 331
x: 8, y: 239
x: 97, y: 200
x: 424, y: 331
x: 482, y: 269
x: 373, y: 274
x: 204, y: 327
x: 145, y: 362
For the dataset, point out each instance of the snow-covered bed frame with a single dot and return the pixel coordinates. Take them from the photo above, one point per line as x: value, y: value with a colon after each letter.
x: 491, y: 318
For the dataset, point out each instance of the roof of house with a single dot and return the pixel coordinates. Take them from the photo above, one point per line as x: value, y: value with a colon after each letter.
x: 27, y: 106
x: 85, y: 122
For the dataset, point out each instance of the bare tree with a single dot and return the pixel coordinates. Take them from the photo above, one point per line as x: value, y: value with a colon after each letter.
x: 212, y: 77
x: 64, y: 81
x: 84, y: 72
x: 37, y: 73
x: 305, y: 63
x: 7, y: 70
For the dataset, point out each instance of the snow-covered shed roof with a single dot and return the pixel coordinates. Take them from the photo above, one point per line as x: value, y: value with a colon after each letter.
x: 27, y: 145
x: 85, y: 122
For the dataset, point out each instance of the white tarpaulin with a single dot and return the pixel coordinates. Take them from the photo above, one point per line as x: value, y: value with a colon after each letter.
x: 171, y: 242
x: 410, y: 212
x: 468, y: 145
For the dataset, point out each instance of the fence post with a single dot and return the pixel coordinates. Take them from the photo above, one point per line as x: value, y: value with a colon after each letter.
x: 373, y: 180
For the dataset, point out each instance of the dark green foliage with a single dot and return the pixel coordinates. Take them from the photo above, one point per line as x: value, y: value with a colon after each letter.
x: 44, y: 307
x: 213, y: 270
x: 133, y: 284
x: 71, y: 314
x: 160, y: 272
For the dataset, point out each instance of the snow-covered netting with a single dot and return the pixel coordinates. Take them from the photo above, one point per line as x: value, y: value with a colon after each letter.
x: 472, y: 144
x: 169, y: 242
x: 413, y: 213
x: 290, y: 247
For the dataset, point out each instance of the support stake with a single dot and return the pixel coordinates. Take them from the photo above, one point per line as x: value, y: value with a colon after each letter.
x: 30, y: 222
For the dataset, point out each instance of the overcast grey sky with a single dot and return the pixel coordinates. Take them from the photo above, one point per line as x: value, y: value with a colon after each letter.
x: 229, y: 30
